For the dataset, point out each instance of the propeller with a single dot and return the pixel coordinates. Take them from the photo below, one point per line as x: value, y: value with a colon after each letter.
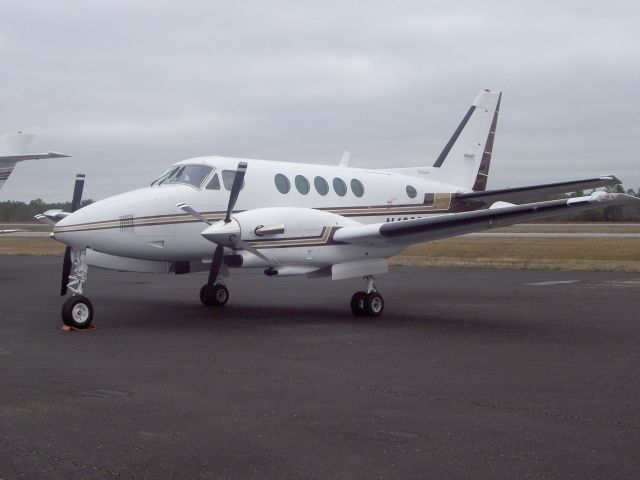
x: 235, y: 189
x: 75, y: 205
x: 223, y: 232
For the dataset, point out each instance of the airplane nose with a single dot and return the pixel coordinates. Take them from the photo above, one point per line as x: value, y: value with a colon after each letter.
x: 69, y: 229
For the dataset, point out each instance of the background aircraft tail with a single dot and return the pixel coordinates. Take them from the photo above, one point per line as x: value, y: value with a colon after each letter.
x: 14, y: 143
x: 466, y: 157
x: 12, y: 147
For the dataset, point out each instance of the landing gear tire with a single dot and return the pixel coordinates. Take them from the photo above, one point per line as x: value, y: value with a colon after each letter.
x: 373, y: 304
x: 357, y: 304
x: 77, y: 312
x: 218, y: 297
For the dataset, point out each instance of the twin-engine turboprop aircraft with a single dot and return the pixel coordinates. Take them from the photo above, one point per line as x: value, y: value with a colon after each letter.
x: 220, y: 214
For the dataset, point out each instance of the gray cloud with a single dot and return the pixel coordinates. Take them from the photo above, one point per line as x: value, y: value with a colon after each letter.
x: 130, y: 87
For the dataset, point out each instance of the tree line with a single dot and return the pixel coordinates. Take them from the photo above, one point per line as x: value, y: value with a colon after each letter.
x: 20, y: 211
x: 626, y: 213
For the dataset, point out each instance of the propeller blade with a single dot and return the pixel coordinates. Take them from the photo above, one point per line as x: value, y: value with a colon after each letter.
x: 77, y: 192
x: 66, y: 271
x: 188, y: 209
x: 235, y: 189
x: 246, y: 246
x: 216, y: 263
x: 75, y: 205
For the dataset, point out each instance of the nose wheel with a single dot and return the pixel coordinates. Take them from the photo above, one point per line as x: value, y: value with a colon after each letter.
x: 369, y: 303
x: 77, y: 312
x: 218, y: 295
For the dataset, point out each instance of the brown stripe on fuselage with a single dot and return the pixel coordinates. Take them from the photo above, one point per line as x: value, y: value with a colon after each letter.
x: 442, y: 204
x: 480, y: 184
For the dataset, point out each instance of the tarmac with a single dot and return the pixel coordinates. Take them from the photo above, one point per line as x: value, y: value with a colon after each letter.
x: 469, y: 373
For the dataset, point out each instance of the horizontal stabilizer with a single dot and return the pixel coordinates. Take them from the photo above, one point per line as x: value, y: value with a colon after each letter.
x: 32, y: 156
x: 489, y: 197
x: 51, y: 217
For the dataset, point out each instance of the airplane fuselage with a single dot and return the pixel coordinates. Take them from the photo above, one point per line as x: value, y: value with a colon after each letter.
x: 146, y: 223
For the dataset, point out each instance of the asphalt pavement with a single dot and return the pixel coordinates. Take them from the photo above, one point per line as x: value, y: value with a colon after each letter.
x: 469, y: 373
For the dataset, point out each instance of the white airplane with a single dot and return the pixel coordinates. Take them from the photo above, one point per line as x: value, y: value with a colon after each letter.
x: 12, y: 146
x: 220, y: 214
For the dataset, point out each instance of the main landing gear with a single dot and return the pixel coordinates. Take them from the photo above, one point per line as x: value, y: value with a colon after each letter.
x: 369, y: 303
x: 77, y: 310
x: 217, y: 296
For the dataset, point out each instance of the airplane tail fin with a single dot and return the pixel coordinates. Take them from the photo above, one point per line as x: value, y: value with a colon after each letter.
x: 12, y: 147
x: 466, y: 158
x: 14, y: 143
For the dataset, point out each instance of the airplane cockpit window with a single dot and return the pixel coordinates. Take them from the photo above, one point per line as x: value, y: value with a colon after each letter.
x: 192, y: 175
x: 214, y: 183
x: 164, y: 176
x: 227, y: 179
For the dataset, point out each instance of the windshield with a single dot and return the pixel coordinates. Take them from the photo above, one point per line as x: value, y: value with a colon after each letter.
x: 162, y: 177
x: 192, y: 175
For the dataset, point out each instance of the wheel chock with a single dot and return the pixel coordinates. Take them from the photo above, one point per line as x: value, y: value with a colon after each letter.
x: 67, y: 328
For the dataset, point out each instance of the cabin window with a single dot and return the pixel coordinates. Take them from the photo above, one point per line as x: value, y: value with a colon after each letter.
x: 214, y: 183
x: 339, y: 186
x: 321, y: 185
x: 411, y: 191
x: 357, y: 188
x: 430, y: 199
x: 302, y: 184
x: 282, y: 183
x: 227, y: 179
x: 192, y: 175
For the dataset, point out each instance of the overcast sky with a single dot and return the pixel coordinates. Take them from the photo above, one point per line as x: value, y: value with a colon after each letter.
x: 129, y: 87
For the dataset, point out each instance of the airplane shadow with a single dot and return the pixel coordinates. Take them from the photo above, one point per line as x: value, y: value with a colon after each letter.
x: 174, y: 316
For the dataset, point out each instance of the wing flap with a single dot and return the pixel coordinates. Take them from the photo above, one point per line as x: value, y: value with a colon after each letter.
x: 450, y: 225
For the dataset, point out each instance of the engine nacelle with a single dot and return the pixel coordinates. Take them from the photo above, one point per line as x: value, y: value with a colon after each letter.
x: 287, y: 224
x: 287, y: 236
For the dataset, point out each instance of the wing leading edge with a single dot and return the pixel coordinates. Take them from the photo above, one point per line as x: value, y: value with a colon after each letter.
x: 450, y: 225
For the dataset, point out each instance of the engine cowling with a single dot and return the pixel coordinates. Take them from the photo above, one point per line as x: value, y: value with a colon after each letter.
x: 285, y: 234
x: 297, y: 223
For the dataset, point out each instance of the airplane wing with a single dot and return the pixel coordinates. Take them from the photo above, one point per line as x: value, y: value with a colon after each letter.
x: 32, y: 156
x: 488, y: 197
x: 500, y: 214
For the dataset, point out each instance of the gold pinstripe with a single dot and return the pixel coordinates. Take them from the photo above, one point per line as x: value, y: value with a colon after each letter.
x: 442, y: 203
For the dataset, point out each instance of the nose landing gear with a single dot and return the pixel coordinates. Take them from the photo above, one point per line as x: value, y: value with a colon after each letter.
x: 369, y: 303
x: 77, y: 310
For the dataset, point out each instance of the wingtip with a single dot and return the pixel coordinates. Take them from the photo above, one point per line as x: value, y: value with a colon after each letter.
x: 58, y: 155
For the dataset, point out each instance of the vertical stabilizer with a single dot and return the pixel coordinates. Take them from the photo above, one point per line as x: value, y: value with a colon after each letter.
x: 466, y: 157
x: 465, y: 160
x: 14, y: 143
